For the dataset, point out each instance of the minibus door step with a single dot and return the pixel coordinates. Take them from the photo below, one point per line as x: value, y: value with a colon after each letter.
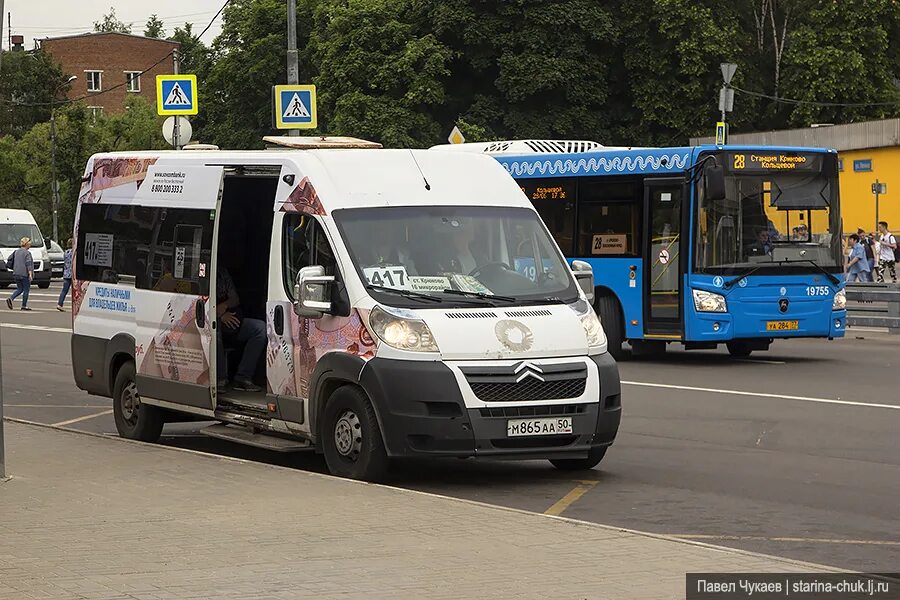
x: 243, y: 435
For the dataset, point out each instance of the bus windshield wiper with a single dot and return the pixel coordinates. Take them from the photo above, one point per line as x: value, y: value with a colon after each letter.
x: 481, y: 295
x: 834, y: 280
x: 730, y: 283
x: 402, y: 292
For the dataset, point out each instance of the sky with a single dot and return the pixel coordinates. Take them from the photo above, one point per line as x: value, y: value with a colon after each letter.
x: 50, y: 18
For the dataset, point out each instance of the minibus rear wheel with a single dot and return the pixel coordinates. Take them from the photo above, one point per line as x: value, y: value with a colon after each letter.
x: 581, y: 464
x: 351, y: 438
x: 134, y: 419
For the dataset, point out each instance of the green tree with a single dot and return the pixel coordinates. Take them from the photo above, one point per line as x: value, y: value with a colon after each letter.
x: 154, y: 28
x: 667, y: 78
x: 528, y: 68
x: 109, y: 23
x: 380, y: 71
x: 246, y: 60
x: 28, y: 82
x: 845, y: 53
x: 193, y: 55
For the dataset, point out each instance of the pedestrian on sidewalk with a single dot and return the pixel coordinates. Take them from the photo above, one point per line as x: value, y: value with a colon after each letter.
x: 23, y: 272
x: 868, y: 244
x: 857, y: 266
x: 886, y: 257
x: 67, y: 276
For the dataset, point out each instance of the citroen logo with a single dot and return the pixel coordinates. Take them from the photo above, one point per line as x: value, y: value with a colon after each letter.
x: 783, y: 305
x: 526, y: 369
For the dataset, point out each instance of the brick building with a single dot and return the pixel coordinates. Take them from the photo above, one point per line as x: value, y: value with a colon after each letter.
x: 107, y: 66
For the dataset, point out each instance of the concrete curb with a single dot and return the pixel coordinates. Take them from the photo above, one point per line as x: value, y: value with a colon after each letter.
x: 115, y: 439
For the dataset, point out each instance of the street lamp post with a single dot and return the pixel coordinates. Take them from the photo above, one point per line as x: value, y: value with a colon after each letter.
x: 54, y: 184
x: 726, y: 100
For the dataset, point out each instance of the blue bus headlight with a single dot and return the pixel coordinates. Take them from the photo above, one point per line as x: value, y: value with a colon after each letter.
x: 840, y: 301
x: 709, y: 302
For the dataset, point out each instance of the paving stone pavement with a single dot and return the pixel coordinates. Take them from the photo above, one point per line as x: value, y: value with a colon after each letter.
x: 101, y: 518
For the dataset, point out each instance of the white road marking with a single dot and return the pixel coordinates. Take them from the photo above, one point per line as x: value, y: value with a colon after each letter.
x: 37, y: 327
x: 760, y: 360
x: 804, y: 540
x: 689, y: 388
x: 84, y: 418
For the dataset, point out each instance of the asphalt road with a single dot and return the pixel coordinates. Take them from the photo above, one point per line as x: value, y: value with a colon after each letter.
x: 794, y: 452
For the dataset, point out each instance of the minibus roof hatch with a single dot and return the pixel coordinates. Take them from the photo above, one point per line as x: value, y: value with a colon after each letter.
x: 317, y: 142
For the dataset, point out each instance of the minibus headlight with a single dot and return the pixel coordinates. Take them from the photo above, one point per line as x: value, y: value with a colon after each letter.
x: 840, y: 301
x: 401, y: 332
x: 709, y: 302
x: 593, y: 329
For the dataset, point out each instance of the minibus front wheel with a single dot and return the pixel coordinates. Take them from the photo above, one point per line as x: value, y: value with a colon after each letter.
x: 351, y: 438
x: 134, y: 419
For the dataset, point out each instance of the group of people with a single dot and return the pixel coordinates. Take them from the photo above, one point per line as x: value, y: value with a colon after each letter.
x: 22, y: 265
x: 870, y: 256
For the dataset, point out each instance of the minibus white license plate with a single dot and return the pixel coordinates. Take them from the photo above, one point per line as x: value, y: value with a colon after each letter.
x: 552, y: 426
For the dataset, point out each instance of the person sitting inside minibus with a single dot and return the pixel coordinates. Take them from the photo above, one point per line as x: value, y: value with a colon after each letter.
x: 235, y: 328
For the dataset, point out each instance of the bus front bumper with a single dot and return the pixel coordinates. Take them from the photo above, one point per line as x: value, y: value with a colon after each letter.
x: 722, y: 327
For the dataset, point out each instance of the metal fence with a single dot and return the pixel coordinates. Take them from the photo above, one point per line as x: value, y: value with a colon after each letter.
x: 874, y: 305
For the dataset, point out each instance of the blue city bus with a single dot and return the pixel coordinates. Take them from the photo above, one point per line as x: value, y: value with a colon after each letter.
x: 702, y: 245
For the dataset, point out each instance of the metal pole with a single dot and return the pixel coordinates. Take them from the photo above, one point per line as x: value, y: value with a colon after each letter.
x: 1, y: 32
x: 54, y: 187
x: 877, y: 189
x: 293, y: 70
x: 176, y: 131
x: 2, y: 443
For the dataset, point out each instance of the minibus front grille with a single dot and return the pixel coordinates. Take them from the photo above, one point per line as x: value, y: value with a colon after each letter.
x: 544, y: 410
x: 529, y: 390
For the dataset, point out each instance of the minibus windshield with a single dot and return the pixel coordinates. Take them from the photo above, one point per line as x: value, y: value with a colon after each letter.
x: 491, y: 254
x: 11, y: 235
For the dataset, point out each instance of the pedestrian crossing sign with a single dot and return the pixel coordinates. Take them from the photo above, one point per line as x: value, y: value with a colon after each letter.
x: 176, y: 94
x: 295, y: 107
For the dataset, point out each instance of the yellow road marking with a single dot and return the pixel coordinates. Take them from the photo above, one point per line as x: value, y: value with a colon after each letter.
x: 566, y: 501
x: 79, y: 419
x: 763, y: 538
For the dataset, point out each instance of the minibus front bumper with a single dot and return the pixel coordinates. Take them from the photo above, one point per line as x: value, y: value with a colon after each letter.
x: 422, y: 413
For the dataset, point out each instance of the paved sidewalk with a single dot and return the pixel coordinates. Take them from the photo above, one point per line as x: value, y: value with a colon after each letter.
x: 88, y: 517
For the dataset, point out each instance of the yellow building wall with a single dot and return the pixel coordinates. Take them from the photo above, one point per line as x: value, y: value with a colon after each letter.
x: 857, y: 200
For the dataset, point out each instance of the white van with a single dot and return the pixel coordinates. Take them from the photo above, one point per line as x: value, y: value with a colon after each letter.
x: 14, y: 225
x: 413, y: 305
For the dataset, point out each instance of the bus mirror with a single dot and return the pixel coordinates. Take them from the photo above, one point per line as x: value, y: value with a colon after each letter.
x: 311, y: 292
x: 584, y: 276
x: 714, y: 182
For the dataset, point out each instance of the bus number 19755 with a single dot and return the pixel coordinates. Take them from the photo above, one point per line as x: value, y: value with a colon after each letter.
x: 818, y: 290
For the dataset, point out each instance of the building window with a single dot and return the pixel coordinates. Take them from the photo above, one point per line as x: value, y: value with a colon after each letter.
x: 96, y: 112
x: 94, y: 80
x: 133, y: 81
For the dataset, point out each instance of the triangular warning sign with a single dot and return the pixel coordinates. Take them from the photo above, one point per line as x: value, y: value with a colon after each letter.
x: 177, y: 97
x: 295, y: 109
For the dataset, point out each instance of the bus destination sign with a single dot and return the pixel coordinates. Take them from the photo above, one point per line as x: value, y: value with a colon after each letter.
x: 547, y: 190
x: 759, y: 161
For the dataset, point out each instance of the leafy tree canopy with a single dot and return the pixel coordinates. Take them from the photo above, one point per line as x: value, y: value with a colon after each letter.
x: 109, y: 23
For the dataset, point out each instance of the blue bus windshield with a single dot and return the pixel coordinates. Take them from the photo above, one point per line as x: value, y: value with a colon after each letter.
x: 768, y: 219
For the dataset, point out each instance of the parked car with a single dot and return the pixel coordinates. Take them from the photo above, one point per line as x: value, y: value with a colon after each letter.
x: 57, y: 259
x: 14, y: 225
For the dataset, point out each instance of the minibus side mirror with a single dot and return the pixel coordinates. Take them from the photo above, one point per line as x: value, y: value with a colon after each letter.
x: 312, y: 290
x: 714, y: 182
x: 584, y: 276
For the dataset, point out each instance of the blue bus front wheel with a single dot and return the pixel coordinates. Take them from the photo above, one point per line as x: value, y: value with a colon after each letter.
x: 611, y: 318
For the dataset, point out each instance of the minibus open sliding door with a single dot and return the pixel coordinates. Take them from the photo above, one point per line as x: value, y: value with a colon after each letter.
x: 664, y: 252
x: 175, y: 343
